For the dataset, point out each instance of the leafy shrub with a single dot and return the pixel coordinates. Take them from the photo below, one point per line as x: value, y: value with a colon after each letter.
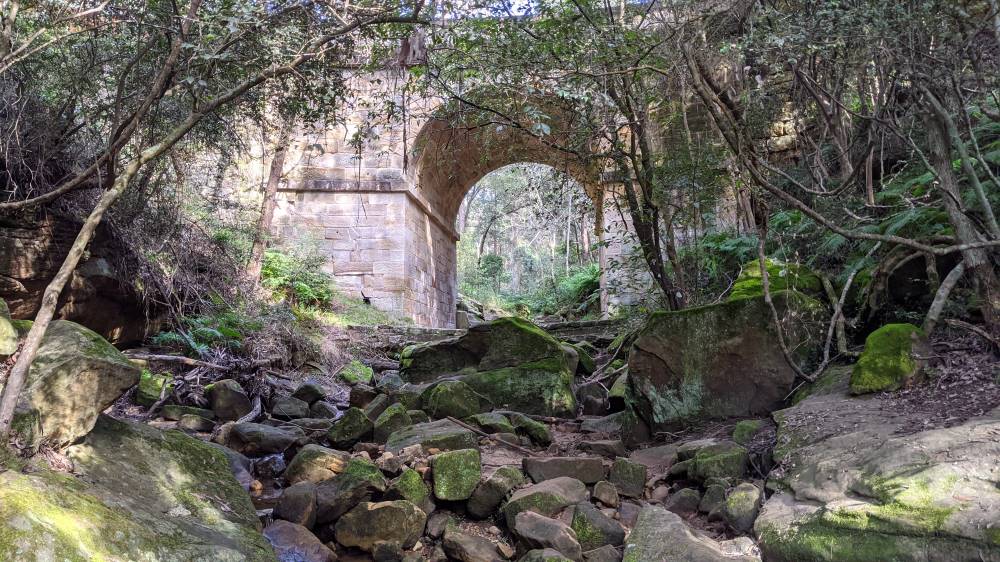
x: 197, y: 334
x: 299, y: 279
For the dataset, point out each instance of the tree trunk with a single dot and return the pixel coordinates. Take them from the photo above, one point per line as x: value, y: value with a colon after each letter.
x: 977, y: 260
x: 267, y: 206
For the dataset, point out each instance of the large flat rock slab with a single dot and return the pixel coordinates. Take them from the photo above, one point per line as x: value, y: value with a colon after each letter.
x: 859, y: 481
x: 139, y: 494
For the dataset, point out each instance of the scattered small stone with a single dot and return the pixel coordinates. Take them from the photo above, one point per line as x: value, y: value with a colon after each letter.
x: 228, y: 400
x: 295, y: 542
x: 534, y: 531
x: 418, y: 416
x: 323, y: 409
x: 465, y: 547
x: 437, y: 522
x: 588, y: 470
x: 175, y: 411
x: 741, y: 507
x: 713, y: 498
x: 289, y: 408
x: 546, y: 498
x: 629, y: 477
x: 606, y: 493
x: 683, y: 502
x: 594, y: 529
x: 611, y: 448
x: 352, y: 427
x: 392, y: 521
x: 490, y: 493
x: 392, y: 419
x: 378, y: 405
x: 314, y: 463
x: 606, y: 553
x: 309, y: 392
x: 254, y: 439
x: 298, y: 504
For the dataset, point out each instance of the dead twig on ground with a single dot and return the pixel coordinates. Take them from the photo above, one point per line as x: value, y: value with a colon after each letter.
x: 176, y: 359
x: 517, y: 448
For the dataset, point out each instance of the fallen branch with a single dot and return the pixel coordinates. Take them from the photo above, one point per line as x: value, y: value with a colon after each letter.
x: 517, y: 448
x: 974, y: 329
x: 176, y: 359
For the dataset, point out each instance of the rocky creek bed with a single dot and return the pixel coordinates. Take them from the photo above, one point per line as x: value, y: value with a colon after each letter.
x: 504, y: 443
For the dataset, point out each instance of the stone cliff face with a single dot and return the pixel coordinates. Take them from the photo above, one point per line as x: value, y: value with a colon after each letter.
x: 32, y: 247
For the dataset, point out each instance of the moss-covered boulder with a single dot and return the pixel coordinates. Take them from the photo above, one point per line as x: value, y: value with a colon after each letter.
x: 410, y: 486
x: 443, y: 435
x: 352, y: 427
x: 540, y: 387
x: 781, y: 276
x: 456, y: 474
x: 720, y: 360
x: 491, y: 422
x: 537, y: 431
x: 75, y: 376
x: 594, y: 529
x: 510, y: 361
x: 661, y: 535
x: 392, y: 419
x: 151, y: 387
x: 894, y: 355
x: 453, y: 398
x: 139, y: 494
x: 394, y: 521
x: 545, y: 498
x: 8, y: 333
x: 724, y: 459
x: 228, y: 399
x: 357, y: 372
x: 741, y: 506
x: 314, y: 463
x: 491, y: 492
x: 863, y: 480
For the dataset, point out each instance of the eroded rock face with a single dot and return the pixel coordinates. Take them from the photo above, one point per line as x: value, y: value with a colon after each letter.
x: 31, y: 251
x: 720, y: 360
x: 510, y: 361
x: 142, y: 494
x: 76, y: 375
x: 855, y: 485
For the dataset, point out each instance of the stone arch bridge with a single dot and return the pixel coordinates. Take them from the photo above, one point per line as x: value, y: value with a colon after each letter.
x: 383, y: 209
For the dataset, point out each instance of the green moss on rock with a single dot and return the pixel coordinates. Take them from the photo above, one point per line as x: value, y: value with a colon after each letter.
x: 392, y: 419
x: 889, y: 360
x: 352, y: 427
x: 453, y: 398
x: 182, y: 503
x: 745, y: 430
x: 722, y: 360
x: 151, y: 386
x: 781, y: 276
x: 357, y: 372
x: 542, y: 387
x: 456, y: 474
